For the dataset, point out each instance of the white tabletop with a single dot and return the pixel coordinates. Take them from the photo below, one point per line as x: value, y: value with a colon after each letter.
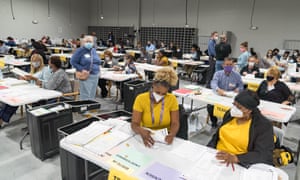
x: 273, y: 111
x: 114, y: 54
x: 148, y: 67
x: 67, y: 55
x: 250, y: 79
x: 11, y: 60
x: 117, y: 76
x: 189, y: 56
x: 133, y: 51
x: 19, y: 92
x: 186, y: 62
x: 61, y: 48
x: 192, y: 161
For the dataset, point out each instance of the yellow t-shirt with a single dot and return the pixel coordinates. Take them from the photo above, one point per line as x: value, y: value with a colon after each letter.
x: 143, y: 104
x: 164, y: 60
x: 234, y: 138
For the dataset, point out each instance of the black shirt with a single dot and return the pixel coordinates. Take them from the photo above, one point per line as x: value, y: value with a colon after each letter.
x: 222, y: 50
x: 248, y: 70
x: 279, y: 94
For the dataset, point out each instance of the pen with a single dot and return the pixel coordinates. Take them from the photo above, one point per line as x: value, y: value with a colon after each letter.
x: 108, y: 130
x: 232, y: 165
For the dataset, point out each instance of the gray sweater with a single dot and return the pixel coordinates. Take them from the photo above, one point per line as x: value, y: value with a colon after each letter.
x: 58, y: 81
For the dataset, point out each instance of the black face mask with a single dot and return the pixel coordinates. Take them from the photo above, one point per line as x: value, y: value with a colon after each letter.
x: 270, y: 78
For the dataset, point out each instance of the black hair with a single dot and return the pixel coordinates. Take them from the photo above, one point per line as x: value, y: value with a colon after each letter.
x: 55, y: 60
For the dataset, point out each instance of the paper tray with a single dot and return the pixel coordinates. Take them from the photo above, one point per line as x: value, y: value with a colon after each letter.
x: 83, y: 105
x: 71, y: 128
x: 115, y: 114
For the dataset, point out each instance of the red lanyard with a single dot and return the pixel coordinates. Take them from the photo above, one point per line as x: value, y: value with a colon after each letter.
x: 161, y: 111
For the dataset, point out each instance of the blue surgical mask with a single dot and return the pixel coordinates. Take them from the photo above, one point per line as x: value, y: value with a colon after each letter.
x: 36, y: 64
x: 88, y: 45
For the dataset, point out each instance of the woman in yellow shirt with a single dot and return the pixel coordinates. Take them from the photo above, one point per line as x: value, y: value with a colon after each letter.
x: 245, y: 136
x: 157, y: 109
x: 161, y: 59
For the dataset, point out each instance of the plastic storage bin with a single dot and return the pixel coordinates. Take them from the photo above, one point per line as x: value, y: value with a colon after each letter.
x: 72, y: 166
x: 132, y: 89
x: 83, y: 105
x: 115, y: 114
x: 43, y: 127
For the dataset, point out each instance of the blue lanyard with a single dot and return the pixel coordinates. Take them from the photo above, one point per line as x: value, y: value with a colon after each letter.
x: 161, y: 111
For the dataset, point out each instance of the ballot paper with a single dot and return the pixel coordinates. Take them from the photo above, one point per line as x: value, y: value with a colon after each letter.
x: 107, y: 141
x: 40, y: 112
x: 207, y: 167
x: 159, y: 135
x: 20, y: 72
x: 230, y: 94
x: 189, y: 151
x: 88, y: 134
x: 257, y: 172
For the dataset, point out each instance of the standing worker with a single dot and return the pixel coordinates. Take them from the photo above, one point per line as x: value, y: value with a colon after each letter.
x: 86, y: 62
x: 212, y: 55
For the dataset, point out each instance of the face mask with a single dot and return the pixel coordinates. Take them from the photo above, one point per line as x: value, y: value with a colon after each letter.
x: 228, y: 69
x: 36, y: 64
x: 295, y: 54
x: 157, y: 97
x: 107, y: 58
x: 251, y: 64
x: 88, y: 45
x: 270, y: 78
x: 269, y: 54
x: 178, y: 50
x: 236, y: 112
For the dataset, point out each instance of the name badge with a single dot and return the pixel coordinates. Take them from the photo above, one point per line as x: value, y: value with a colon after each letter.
x: 87, y: 56
x: 231, y: 85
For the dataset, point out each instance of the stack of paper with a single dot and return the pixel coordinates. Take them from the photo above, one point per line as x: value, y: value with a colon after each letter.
x: 86, y: 135
x: 159, y: 135
x: 20, y: 72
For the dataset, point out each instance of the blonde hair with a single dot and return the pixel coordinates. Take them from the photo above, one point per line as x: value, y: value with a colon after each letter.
x: 38, y: 57
x: 274, y: 71
x: 166, y: 74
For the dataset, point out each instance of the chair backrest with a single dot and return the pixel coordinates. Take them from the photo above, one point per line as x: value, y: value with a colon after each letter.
x: 252, y: 86
x: 75, y: 90
x: 220, y: 110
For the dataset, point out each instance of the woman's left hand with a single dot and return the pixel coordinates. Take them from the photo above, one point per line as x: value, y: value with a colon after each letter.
x: 169, y: 139
x: 227, y: 158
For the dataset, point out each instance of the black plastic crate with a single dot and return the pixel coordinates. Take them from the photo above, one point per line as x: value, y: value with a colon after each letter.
x: 115, y: 114
x: 132, y: 89
x: 72, y: 166
x: 83, y: 105
x: 43, y: 129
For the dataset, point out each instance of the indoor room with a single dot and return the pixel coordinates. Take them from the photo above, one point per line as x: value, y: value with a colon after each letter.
x: 149, y: 89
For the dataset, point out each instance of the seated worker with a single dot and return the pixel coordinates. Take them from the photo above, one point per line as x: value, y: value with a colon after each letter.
x: 145, y: 56
x: 38, y: 71
x: 157, y: 109
x: 196, y: 53
x: 3, y: 48
x: 223, y: 81
x: 58, y: 81
x: 108, y: 63
x: 251, y: 67
x: 245, y: 136
x: 10, y: 42
x: 161, y: 59
x: 274, y: 90
x: 129, y: 68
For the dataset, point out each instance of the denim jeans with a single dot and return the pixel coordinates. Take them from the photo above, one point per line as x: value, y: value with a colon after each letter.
x: 88, y: 87
x: 219, y: 66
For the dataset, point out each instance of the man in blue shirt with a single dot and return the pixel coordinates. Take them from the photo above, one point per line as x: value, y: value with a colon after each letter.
x: 222, y: 82
x: 150, y: 47
x: 212, y: 54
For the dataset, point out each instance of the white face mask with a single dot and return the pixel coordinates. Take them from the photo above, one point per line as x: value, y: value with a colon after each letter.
x: 107, y: 58
x: 157, y: 97
x: 236, y: 112
x: 251, y: 64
